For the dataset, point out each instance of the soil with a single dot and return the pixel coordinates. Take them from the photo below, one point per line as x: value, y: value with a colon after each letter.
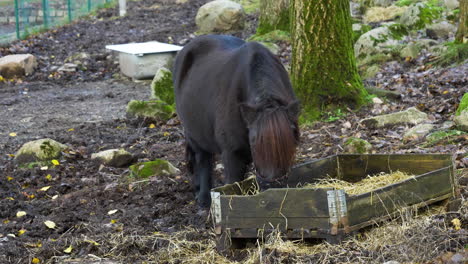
x: 85, y: 110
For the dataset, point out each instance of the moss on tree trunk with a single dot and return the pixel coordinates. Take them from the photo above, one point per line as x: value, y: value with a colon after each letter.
x: 274, y: 15
x: 462, y: 32
x: 323, y: 67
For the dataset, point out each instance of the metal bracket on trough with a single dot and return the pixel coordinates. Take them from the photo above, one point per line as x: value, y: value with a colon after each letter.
x: 216, y: 210
x: 337, y: 210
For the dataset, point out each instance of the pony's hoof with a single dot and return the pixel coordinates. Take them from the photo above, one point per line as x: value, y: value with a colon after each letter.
x: 204, y: 200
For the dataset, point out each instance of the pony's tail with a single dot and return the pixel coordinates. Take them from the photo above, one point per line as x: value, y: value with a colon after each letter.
x: 276, y: 142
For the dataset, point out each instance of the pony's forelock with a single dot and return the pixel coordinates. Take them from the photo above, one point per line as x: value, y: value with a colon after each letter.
x: 275, y: 144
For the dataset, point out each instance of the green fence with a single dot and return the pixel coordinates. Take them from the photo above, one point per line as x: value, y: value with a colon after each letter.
x: 20, y: 18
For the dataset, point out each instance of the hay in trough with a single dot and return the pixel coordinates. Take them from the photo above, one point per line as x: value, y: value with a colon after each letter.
x: 368, y: 184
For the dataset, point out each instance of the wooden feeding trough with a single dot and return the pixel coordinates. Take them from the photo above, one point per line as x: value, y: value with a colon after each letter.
x: 329, y: 213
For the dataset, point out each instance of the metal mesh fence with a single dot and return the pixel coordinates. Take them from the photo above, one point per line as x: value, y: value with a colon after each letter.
x: 20, y: 18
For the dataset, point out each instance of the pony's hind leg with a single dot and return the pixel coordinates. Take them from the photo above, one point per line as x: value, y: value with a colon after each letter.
x: 201, y: 163
x: 236, y: 164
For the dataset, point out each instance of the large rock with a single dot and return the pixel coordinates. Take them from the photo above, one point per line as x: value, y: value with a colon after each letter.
x: 157, y: 167
x: 410, y: 116
x: 442, y: 30
x: 114, y: 157
x: 451, y: 4
x: 155, y: 109
x: 220, y: 16
x: 418, y: 132
x: 462, y: 120
x: 410, y: 17
x: 379, y: 14
x: 162, y: 87
x: 11, y: 70
x: 375, y: 41
x: 26, y: 61
x: 357, y: 145
x: 39, y: 150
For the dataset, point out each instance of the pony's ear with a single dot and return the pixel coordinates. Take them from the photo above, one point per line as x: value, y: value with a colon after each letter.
x: 248, y: 112
x: 293, y: 109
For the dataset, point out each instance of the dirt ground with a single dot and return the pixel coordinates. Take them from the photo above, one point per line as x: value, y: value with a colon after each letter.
x: 86, y: 111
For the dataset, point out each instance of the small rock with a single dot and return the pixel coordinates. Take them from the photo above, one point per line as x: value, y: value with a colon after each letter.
x: 162, y: 87
x: 375, y: 41
x: 410, y: 116
x: 410, y: 17
x: 411, y: 50
x: 39, y: 150
x: 447, y: 125
x: 26, y: 61
x: 377, y: 100
x: 442, y: 30
x: 371, y: 72
x: 418, y: 132
x: 347, y: 125
x: 157, y: 167
x: 380, y: 14
x: 220, y: 16
x: 11, y: 70
x: 357, y: 145
x: 219, y: 167
x: 68, y: 67
x: 459, y: 258
x: 451, y: 4
x: 155, y: 109
x: 391, y: 262
x: 114, y: 157
x: 462, y: 120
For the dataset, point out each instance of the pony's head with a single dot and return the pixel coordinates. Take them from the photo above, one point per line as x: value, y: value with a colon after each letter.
x: 273, y: 138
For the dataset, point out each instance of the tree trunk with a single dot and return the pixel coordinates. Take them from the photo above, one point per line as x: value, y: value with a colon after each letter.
x: 462, y: 32
x: 323, y: 67
x: 274, y: 14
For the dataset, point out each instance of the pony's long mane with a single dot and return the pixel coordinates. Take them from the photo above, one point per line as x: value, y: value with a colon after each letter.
x: 275, y: 143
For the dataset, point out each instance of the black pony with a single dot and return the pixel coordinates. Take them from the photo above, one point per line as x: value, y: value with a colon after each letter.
x: 234, y: 98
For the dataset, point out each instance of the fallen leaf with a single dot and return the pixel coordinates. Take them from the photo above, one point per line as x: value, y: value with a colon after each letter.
x: 48, y: 177
x: 113, y: 221
x: 55, y: 162
x: 45, y: 188
x: 6, y: 221
x: 456, y: 223
x: 92, y: 242
x: 12, y: 134
x: 111, y: 212
x: 21, y: 231
x: 71, y: 129
x: 152, y: 126
x: 54, y: 197
x: 68, y: 249
x: 44, y: 168
x: 166, y: 134
x: 20, y: 214
x: 49, y: 224
x: 35, y: 261
x: 10, y: 198
x: 11, y: 155
x: 9, y: 178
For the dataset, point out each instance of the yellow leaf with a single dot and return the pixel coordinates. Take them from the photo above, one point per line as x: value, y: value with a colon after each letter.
x: 45, y: 188
x: 35, y: 261
x: 48, y: 177
x: 49, y: 224
x: 11, y: 155
x: 166, y: 134
x: 12, y: 134
x: 68, y: 249
x: 71, y: 129
x: 55, y: 162
x: 21, y: 231
x: 9, y: 178
x: 456, y: 223
x: 2, y: 79
x: 152, y: 126
x: 20, y: 214
x: 111, y: 212
x: 6, y: 221
x: 92, y: 242
x: 445, y: 92
x: 10, y: 198
x: 113, y: 221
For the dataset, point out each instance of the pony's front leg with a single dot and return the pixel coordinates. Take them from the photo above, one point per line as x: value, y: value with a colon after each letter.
x: 202, y: 171
x: 235, y: 164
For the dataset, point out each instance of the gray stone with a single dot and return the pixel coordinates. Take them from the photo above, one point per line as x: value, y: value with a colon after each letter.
x: 410, y: 116
x: 157, y: 167
x: 11, y: 70
x: 442, y: 30
x: 459, y: 258
x: 154, y: 109
x: 411, y: 50
x: 68, y: 67
x: 26, y: 61
x: 371, y: 72
x: 426, y: 43
x: 39, y: 150
x: 220, y: 16
x: 418, y: 132
x: 357, y: 27
x: 411, y: 17
x: 114, y: 157
x: 357, y: 145
x: 159, y: 78
x: 391, y: 262
x: 355, y: 8
x: 380, y: 14
x: 375, y: 41
x: 451, y: 4
x: 383, y: 3
x: 462, y: 120
x: 447, y: 125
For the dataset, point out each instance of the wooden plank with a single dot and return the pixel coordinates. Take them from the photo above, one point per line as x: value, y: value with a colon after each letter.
x: 311, y: 171
x: 372, y: 205
x: 277, y: 203
x: 276, y: 223
x: 354, y: 168
x: 238, y: 188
